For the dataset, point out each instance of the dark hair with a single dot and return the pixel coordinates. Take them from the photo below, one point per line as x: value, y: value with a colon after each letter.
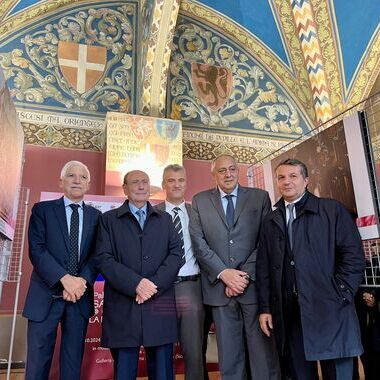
x: 294, y: 162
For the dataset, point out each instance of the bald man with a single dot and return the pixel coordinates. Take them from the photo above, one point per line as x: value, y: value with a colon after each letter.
x: 138, y: 253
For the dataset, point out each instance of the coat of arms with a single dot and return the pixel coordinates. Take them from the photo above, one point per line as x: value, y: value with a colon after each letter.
x: 81, y: 65
x: 213, y: 84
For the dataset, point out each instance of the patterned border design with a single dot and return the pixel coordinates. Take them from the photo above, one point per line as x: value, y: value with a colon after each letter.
x: 285, y: 15
x: 207, y: 146
x: 201, y: 150
x: 309, y: 38
x: 369, y: 71
x: 33, y: 13
x: 155, y: 72
x: 5, y: 7
x: 329, y: 51
x: 292, y: 85
x: 92, y: 139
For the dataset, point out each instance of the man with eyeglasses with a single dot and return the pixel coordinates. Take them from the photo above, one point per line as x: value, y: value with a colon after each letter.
x: 224, y: 227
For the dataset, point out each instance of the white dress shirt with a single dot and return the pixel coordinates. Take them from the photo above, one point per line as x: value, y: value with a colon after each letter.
x: 191, y: 266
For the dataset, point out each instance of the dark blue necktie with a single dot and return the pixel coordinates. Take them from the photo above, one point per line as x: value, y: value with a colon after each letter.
x: 74, y: 240
x: 230, y: 210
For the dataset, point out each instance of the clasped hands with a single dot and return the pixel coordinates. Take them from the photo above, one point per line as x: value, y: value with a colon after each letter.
x: 145, y: 290
x: 236, y: 281
x: 73, y: 287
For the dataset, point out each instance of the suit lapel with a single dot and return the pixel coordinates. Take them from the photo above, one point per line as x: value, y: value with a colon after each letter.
x: 217, y: 202
x: 279, y: 220
x: 240, y: 202
x: 86, y: 226
x: 60, y: 213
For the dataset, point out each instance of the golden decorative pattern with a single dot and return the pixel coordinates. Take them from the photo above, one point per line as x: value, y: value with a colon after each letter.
x: 63, y: 137
x: 201, y: 150
x: 198, y: 145
x: 5, y: 6
x: 369, y: 71
x: 298, y: 90
x: 31, y: 14
x: 165, y: 14
x: 329, y: 52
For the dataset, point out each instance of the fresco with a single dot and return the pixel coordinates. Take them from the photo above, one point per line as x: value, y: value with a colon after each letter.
x: 79, y: 60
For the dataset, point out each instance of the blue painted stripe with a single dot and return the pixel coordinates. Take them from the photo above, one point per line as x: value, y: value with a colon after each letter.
x: 314, y: 69
x: 299, y: 3
x: 311, y: 34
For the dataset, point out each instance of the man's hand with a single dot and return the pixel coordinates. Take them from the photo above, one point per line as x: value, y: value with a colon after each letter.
x: 74, y: 287
x: 145, y: 290
x: 369, y: 299
x: 230, y: 293
x: 234, y: 279
x: 266, y: 323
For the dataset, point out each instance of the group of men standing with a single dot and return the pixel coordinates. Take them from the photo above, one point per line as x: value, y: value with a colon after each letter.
x: 280, y: 284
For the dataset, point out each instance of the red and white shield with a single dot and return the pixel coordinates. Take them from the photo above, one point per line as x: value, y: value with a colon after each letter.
x: 213, y: 84
x: 81, y: 65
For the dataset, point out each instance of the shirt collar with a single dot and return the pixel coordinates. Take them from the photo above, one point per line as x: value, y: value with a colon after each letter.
x: 169, y: 206
x: 234, y: 192
x: 134, y: 209
x: 67, y: 202
x: 295, y: 201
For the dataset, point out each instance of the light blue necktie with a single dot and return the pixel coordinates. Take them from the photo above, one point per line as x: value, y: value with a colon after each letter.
x: 290, y: 207
x: 140, y: 218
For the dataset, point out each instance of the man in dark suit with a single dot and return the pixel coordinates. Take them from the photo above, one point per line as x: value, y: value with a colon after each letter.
x: 61, y: 237
x: 188, y: 291
x: 310, y: 264
x: 224, y: 227
x: 138, y: 252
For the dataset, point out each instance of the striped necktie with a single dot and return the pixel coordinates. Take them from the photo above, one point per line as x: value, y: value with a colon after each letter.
x: 178, y: 227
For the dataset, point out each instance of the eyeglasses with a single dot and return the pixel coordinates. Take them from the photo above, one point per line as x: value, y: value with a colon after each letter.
x: 231, y: 169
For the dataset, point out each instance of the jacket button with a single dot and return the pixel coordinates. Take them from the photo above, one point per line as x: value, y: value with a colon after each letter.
x: 292, y: 263
x: 341, y: 286
x: 146, y: 257
x: 231, y: 242
x: 232, y: 259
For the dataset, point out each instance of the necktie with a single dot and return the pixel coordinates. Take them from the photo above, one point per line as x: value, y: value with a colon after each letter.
x: 178, y: 227
x: 74, y: 240
x: 230, y: 210
x: 140, y: 218
x: 290, y: 207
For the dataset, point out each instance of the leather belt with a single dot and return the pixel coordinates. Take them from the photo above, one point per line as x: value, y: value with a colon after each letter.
x: 193, y: 277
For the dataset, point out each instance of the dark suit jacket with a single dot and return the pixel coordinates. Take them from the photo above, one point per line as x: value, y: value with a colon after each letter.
x: 217, y: 247
x: 329, y: 265
x: 124, y: 255
x: 49, y: 253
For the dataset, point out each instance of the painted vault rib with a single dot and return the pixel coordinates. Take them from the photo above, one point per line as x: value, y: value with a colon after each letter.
x: 308, y: 35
